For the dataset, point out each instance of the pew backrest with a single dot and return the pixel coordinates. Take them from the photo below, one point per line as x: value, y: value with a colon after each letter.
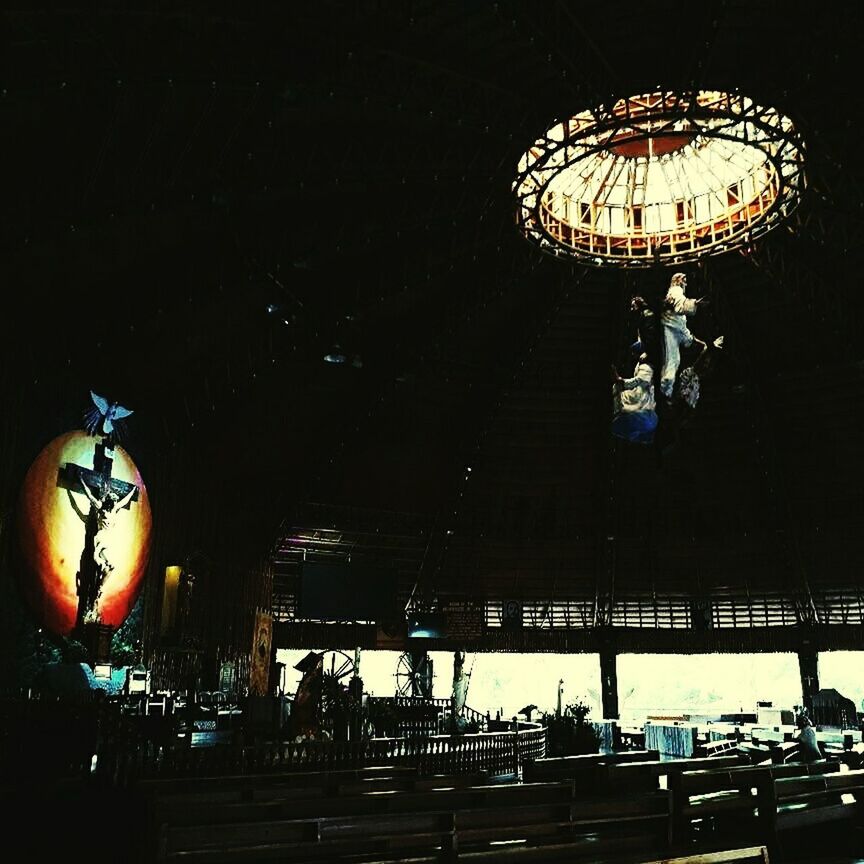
x: 582, y: 766
x: 332, y: 837
x: 733, y: 792
x: 748, y: 855
x: 799, y: 802
x: 705, y: 781
x: 592, y: 824
x: 305, y: 779
x: 321, y: 806
x: 643, y: 775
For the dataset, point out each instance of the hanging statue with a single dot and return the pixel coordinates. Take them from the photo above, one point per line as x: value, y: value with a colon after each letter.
x: 676, y: 335
x: 659, y: 340
x: 687, y: 392
x: 634, y: 417
x: 648, y: 329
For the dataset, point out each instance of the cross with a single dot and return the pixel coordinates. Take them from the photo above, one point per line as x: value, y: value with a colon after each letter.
x: 91, y: 573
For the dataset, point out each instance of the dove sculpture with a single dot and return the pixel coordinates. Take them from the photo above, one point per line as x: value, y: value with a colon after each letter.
x: 105, y: 413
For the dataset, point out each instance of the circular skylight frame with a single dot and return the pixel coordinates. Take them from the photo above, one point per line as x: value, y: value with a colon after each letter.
x: 689, y: 135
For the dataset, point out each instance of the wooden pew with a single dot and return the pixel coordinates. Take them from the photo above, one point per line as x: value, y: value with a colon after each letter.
x: 716, y: 748
x: 273, y: 803
x: 571, y: 853
x: 580, y: 767
x: 210, y: 800
x: 646, y: 815
x: 531, y: 814
x: 256, y: 812
x: 802, y: 802
x: 205, y: 792
x: 785, y: 751
x: 733, y: 792
x: 308, y: 839
x: 756, y: 753
x: 644, y: 776
x: 599, y: 832
x: 406, y: 784
x: 750, y: 855
x: 608, y: 852
x: 235, y: 786
x: 625, y: 825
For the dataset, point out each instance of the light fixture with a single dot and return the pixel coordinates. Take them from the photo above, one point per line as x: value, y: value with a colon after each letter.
x: 661, y: 178
x: 335, y: 355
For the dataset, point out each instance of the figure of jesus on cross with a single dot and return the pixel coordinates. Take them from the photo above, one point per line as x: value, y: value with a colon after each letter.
x: 107, y: 496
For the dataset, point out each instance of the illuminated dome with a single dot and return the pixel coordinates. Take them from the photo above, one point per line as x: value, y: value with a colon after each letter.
x: 660, y: 178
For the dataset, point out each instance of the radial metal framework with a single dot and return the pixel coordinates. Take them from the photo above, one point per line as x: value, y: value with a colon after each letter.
x: 660, y: 178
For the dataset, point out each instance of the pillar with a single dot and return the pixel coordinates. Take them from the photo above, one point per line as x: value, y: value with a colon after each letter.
x: 609, y: 683
x: 808, y: 665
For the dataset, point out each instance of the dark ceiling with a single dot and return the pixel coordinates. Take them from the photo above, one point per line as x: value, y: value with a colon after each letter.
x: 199, y: 199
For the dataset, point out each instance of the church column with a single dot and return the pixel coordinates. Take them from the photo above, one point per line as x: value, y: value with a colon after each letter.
x: 808, y: 665
x: 609, y: 683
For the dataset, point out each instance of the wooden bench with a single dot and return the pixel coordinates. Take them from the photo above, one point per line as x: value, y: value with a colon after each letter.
x: 645, y: 776
x: 404, y: 784
x: 802, y: 802
x: 734, y: 792
x: 608, y: 853
x: 755, y: 753
x: 537, y: 816
x: 580, y: 767
x: 575, y: 821
x: 750, y: 855
x: 309, y: 839
x: 791, y: 807
x: 211, y: 804
x: 508, y: 795
x: 259, y: 798
x: 785, y: 751
x: 208, y: 791
x: 717, y: 748
x: 234, y: 786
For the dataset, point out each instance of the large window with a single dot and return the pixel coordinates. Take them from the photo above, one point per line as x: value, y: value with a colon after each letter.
x: 499, y: 683
x: 842, y: 671
x: 705, y: 684
x: 700, y: 685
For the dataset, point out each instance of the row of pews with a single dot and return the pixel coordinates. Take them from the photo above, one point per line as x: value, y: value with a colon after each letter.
x: 623, y: 807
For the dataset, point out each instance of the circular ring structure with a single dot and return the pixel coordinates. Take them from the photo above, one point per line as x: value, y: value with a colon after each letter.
x: 662, y: 178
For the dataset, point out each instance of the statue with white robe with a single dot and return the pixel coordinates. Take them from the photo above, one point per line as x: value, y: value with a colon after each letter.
x: 676, y: 334
x: 634, y: 417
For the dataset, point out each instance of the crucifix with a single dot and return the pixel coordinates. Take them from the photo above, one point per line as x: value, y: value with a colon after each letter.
x: 107, y: 495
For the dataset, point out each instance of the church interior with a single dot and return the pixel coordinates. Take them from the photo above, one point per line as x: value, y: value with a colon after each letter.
x: 430, y: 432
